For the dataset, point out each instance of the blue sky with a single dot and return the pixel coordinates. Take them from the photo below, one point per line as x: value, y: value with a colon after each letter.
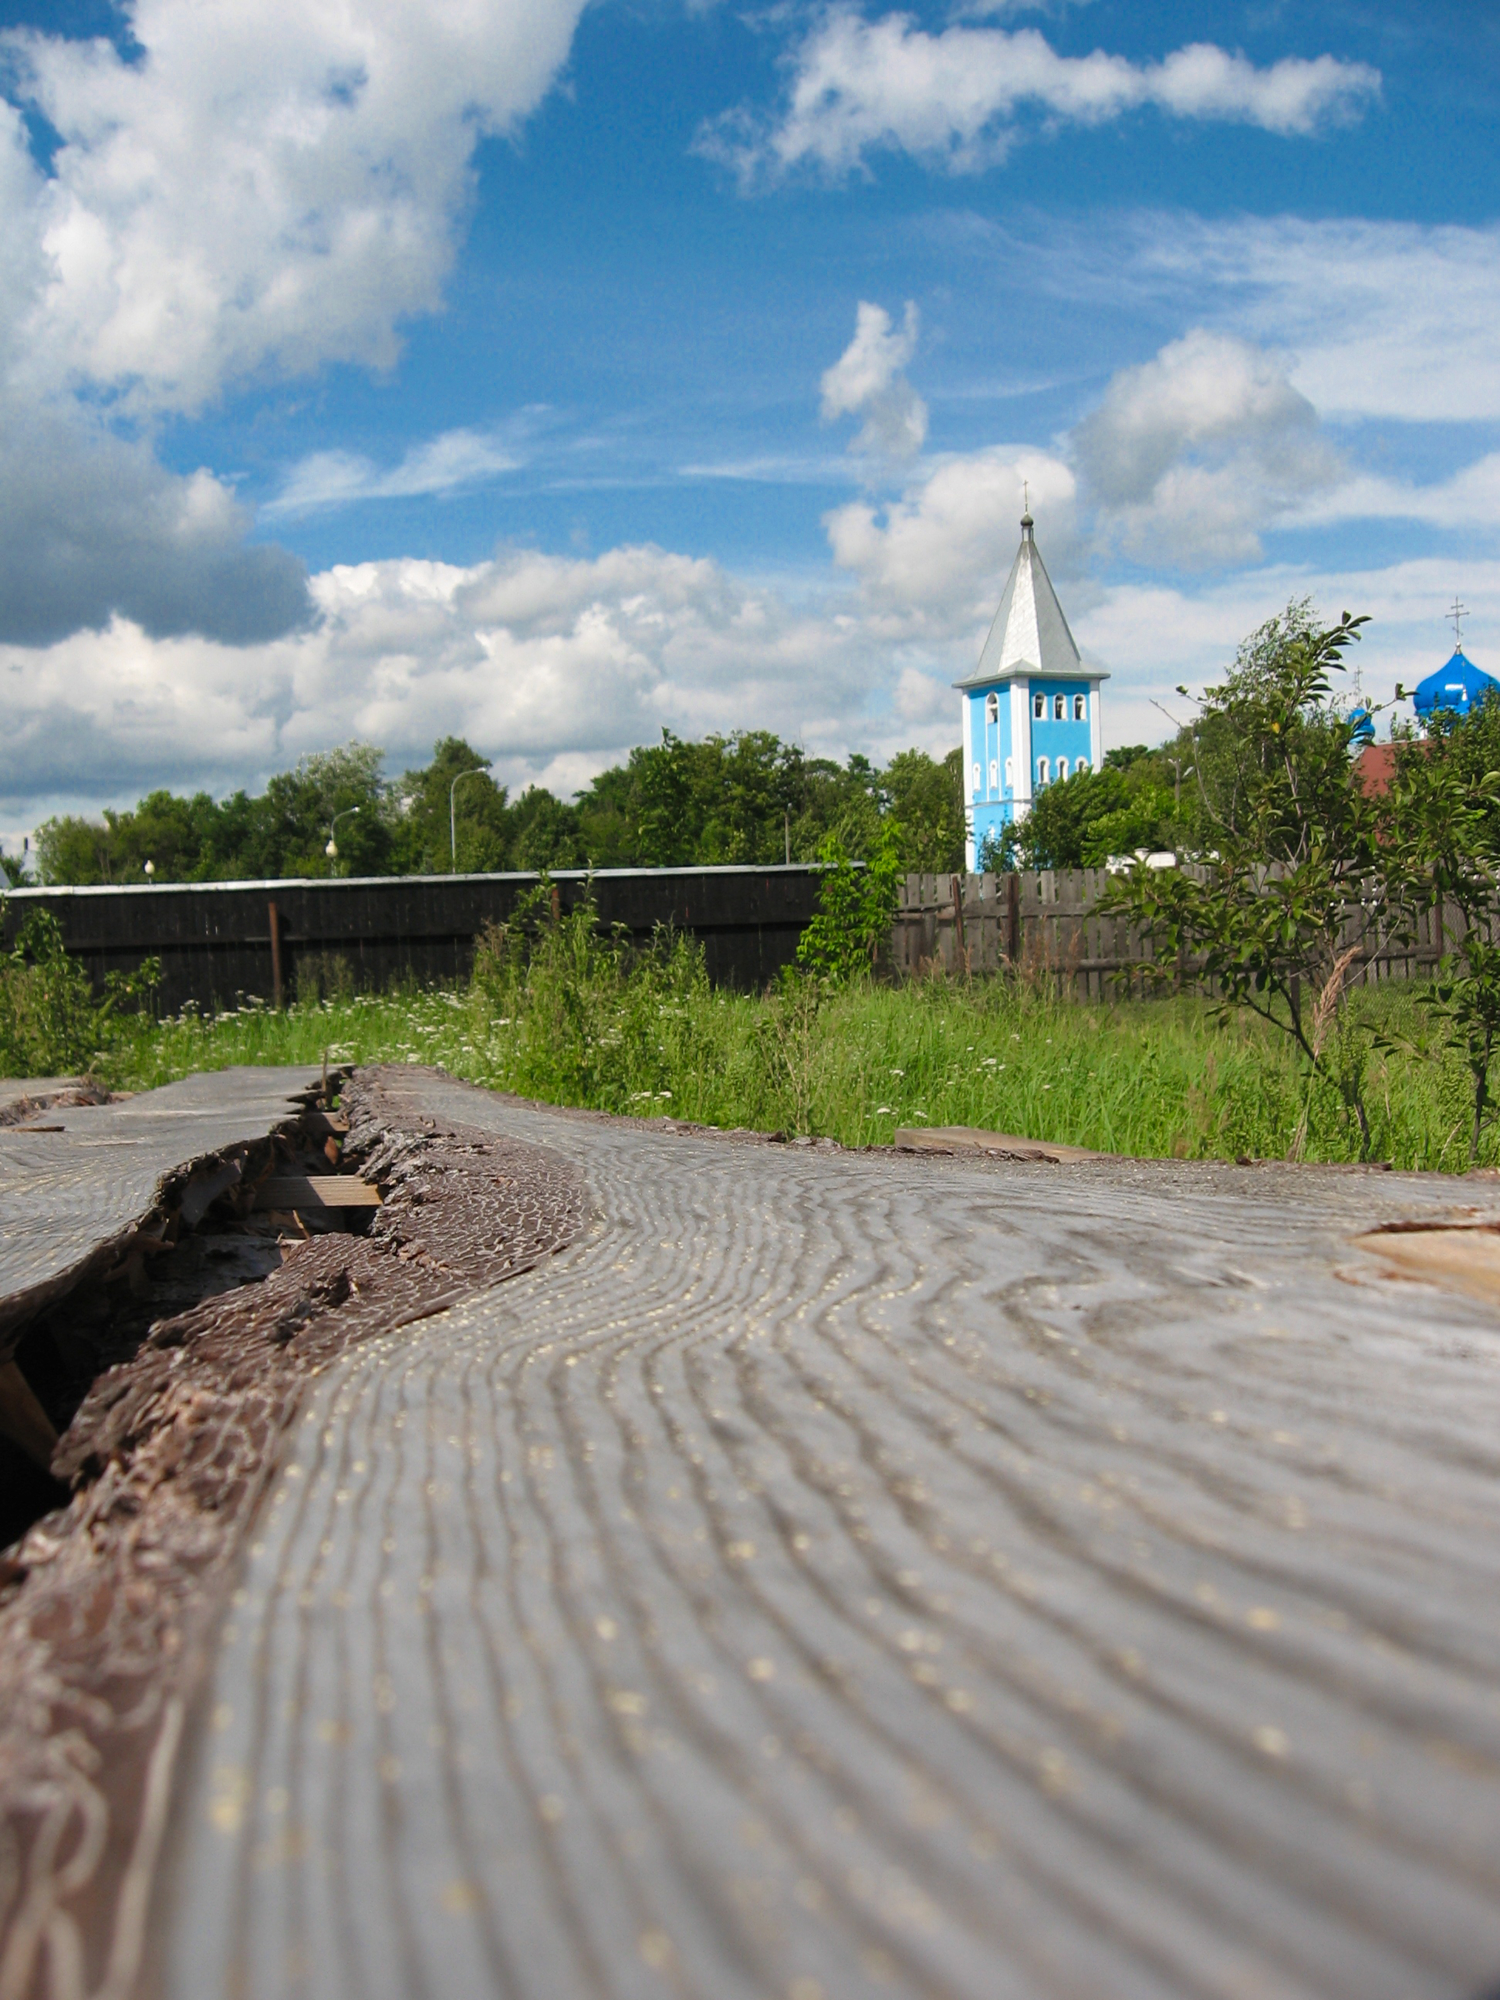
x: 554, y: 375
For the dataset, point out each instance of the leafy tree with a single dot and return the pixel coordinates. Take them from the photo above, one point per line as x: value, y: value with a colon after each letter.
x: 1263, y: 922
x: 336, y: 794
x: 547, y: 833
x: 1440, y: 849
x: 926, y: 800
x: 1084, y: 820
x: 423, y: 827
x: 856, y: 908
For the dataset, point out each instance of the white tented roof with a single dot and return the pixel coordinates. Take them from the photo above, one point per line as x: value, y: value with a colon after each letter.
x: 1030, y: 635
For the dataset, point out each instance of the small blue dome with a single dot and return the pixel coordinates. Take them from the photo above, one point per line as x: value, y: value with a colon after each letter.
x: 1459, y: 686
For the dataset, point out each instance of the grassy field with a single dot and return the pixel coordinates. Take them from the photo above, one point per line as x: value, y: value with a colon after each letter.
x: 575, y: 1025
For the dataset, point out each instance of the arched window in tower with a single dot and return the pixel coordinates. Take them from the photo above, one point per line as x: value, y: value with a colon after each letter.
x: 978, y: 782
x: 994, y: 775
x: 1059, y: 707
x: 1062, y: 769
x: 1010, y: 772
x: 992, y: 708
x: 1080, y: 708
x: 1042, y: 770
x: 1039, y: 706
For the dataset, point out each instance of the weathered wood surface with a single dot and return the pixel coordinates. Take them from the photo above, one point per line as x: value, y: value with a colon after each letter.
x: 841, y: 1576
x: 1046, y: 925
x: 68, y: 1195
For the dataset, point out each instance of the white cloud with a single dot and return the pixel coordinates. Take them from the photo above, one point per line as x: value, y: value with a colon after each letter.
x: 544, y: 663
x: 866, y: 381
x: 443, y: 464
x: 1192, y: 454
x: 268, y: 187
x: 257, y: 190
x: 1468, y: 501
x: 1386, y: 320
x: 931, y: 564
x: 1153, y: 636
x: 954, y: 98
x: 555, y: 668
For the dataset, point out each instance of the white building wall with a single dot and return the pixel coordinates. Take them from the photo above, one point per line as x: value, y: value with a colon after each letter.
x: 1020, y: 736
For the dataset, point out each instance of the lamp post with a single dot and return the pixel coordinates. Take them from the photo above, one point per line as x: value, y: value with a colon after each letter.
x: 478, y: 771
x: 332, y: 849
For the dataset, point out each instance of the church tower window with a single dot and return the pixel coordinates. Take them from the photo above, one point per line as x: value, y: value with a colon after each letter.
x: 1059, y: 707
x: 1039, y: 706
x: 1042, y: 770
x: 992, y: 708
x: 1080, y: 707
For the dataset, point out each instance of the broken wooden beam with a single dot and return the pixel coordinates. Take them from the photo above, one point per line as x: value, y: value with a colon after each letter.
x: 316, y: 1191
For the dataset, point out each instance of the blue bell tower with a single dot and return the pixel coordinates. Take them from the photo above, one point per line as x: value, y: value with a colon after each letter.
x: 1031, y: 707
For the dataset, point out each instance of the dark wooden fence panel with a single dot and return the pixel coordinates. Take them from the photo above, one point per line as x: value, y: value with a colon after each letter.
x: 220, y: 941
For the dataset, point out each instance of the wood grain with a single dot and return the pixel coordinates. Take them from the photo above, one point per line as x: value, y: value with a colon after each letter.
x: 841, y: 1576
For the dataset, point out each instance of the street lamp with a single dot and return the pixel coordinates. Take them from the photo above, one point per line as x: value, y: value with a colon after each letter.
x: 478, y: 771
x: 332, y: 849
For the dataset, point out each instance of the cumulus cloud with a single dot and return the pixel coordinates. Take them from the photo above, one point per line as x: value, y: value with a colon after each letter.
x: 268, y: 187
x: 954, y: 98
x: 931, y: 563
x: 91, y: 526
x: 254, y: 191
x: 1191, y: 454
x: 543, y: 662
x: 867, y: 381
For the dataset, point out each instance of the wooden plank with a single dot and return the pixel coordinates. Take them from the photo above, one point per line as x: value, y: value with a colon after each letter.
x: 995, y: 1145
x: 316, y: 1191
x: 874, y: 1576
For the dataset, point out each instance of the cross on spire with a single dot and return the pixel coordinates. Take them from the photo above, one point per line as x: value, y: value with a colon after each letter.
x: 1458, y: 612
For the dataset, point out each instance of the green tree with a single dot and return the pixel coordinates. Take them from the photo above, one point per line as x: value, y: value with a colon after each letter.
x: 547, y: 834
x: 925, y: 799
x: 336, y: 794
x: 1439, y: 849
x: 856, y: 908
x: 1265, y: 921
x: 1085, y: 820
x: 430, y: 805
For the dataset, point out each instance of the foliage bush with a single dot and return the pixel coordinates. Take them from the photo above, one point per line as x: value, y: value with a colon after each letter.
x: 50, y: 1023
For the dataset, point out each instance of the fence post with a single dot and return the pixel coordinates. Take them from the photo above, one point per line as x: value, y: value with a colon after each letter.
x: 1013, y: 918
x: 958, y: 923
x: 275, y: 916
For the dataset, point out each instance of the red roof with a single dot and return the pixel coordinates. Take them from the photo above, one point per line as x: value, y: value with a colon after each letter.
x: 1374, y: 767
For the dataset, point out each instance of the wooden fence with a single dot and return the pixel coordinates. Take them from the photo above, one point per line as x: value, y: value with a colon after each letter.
x: 1046, y: 924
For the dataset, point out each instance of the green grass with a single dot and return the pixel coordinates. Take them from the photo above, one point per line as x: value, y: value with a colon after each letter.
x: 576, y: 1023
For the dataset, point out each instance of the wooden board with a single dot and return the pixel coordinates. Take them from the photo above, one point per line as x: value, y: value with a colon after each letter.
x: 314, y: 1191
x: 838, y: 1577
